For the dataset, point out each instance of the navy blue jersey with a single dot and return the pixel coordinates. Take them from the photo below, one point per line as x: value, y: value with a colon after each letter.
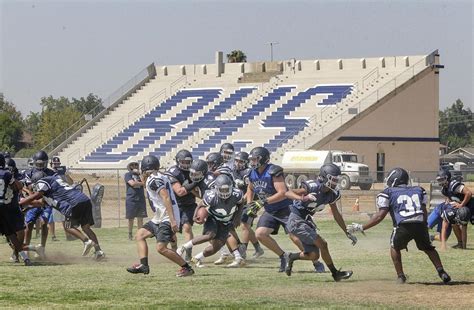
x: 404, y: 203
x: 315, y: 188
x: 263, y: 188
x: 241, y: 178
x: 220, y: 209
x: 207, y: 182
x: 224, y: 169
x: 6, y: 192
x: 453, y: 191
x: 134, y: 195
x: 59, y: 194
x: 177, y: 175
x: 27, y: 174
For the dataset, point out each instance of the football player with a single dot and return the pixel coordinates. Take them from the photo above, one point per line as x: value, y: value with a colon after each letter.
x: 454, y: 217
x: 312, y: 196
x: 72, y: 203
x: 183, y: 187
x: 241, y: 177
x: 407, y: 207
x: 227, y: 153
x: 458, y: 195
x: 267, y: 183
x: 10, y: 217
x: 165, y: 222
x: 38, y: 216
x: 223, y: 203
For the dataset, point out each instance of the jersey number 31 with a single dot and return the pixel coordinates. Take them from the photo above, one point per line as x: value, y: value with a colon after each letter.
x: 412, y: 205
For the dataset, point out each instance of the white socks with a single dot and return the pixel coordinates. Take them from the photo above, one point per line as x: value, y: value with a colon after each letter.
x: 200, y: 256
x: 189, y: 244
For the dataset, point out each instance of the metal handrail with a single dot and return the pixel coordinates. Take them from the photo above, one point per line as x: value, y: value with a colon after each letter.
x: 107, y: 104
x: 428, y: 61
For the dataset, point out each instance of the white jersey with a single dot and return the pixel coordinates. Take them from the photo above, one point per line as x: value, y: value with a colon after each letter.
x: 154, y: 184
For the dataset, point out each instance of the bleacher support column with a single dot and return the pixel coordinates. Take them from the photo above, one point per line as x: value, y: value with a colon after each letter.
x: 219, y: 63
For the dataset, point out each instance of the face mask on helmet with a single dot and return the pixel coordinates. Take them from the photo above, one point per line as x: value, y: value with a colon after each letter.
x: 442, y: 180
x: 331, y: 182
x: 195, y: 175
x: 224, y: 191
x: 227, y: 154
x: 254, y: 161
x: 40, y: 164
x: 185, y: 163
x: 240, y: 164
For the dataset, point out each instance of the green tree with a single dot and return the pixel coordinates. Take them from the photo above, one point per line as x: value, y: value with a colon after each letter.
x: 92, y: 104
x: 456, y: 126
x: 57, y: 116
x: 236, y: 56
x: 8, y: 108
x: 10, y: 132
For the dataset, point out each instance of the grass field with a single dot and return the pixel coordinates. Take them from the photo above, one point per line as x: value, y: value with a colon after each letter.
x: 66, y: 280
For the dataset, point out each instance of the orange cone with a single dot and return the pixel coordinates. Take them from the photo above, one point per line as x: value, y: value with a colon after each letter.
x: 355, y: 207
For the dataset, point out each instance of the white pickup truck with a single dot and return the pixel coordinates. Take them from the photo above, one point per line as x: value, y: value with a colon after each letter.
x: 304, y: 164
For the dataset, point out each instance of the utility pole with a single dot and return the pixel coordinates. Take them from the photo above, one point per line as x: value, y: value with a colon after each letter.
x: 271, y: 49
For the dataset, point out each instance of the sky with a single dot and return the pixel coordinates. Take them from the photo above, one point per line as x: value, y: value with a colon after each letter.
x: 73, y: 48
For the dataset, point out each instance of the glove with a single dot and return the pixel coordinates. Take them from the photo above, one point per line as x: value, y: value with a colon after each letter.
x: 354, y: 227
x: 189, y: 185
x: 240, y: 184
x: 253, y: 207
x: 352, y: 238
x: 309, y: 197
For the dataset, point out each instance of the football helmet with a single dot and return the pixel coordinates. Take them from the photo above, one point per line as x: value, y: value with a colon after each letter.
x: 214, y: 160
x: 150, y: 162
x: 40, y: 160
x: 223, y: 186
x: 396, y: 177
x: 184, y: 159
x: 198, y: 170
x: 55, y: 162
x: 241, y: 160
x: 443, y: 177
x: 258, y: 157
x: 37, y: 175
x: 227, y: 151
x: 329, y: 175
x: 463, y: 215
x: 10, y: 164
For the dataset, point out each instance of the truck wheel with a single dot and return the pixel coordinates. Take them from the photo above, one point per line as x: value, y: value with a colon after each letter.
x: 345, y: 182
x: 300, y: 180
x: 365, y: 187
x: 290, y: 181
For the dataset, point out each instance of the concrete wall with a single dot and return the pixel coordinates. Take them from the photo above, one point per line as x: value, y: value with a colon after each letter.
x: 412, y: 114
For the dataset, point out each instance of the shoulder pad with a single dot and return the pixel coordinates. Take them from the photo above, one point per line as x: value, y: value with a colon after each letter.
x: 275, y: 171
x: 156, y: 184
x: 174, y: 171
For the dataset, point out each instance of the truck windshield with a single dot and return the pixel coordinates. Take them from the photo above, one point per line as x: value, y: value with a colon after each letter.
x: 349, y: 158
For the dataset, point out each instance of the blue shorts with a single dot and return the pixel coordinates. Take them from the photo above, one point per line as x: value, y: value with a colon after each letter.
x: 186, y: 213
x: 434, y: 219
x: 274, y: 220
x: 305, y: 230
x: 11, y: 220
x: 245, y: 218
x: 34, y: 214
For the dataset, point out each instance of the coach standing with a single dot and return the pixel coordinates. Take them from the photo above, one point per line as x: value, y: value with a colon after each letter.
x: 135, y: 205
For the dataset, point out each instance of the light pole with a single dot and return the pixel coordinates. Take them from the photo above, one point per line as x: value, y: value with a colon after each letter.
x: 271, y: 49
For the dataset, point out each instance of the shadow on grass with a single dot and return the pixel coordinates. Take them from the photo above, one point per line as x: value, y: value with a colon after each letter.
x: 442, y: 284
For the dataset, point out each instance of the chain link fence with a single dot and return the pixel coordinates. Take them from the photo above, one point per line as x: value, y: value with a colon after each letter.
x: 354, y: 201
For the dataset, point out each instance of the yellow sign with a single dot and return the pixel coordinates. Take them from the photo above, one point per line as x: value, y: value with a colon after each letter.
x: 304, y: 158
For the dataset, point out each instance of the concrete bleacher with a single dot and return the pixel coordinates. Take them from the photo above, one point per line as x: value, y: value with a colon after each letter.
x: 295, y: 107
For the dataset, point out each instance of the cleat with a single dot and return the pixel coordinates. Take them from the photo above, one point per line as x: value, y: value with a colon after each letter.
x: 445, y: 277
x: 289, y: 266
x: 258, y: 253
x: 237, y: 263
x: 99, y: 255
x: 14, y: 258
x: 283, y: 261
x: 223, y: 259
x: 185, y: 272
x: 319, y: 267
x: 139, y: 268
x: 457, y: 246
x: 28, y: 262
x: 197, y: 262
x: 342, y: 275
x: 40, y: 251
x: 402, y: 279
x: 130, y: 236
x: 54, y: 238
x: 87, y: 247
